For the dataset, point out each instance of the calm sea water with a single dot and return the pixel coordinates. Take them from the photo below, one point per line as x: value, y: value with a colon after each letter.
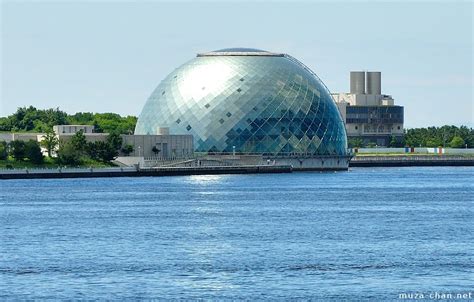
x: 370, y: 233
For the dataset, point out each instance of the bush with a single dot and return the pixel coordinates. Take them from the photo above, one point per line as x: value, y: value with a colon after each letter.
x: 127, y: 149
x: 33, y: 152
x: 78, y: 141
x: 3, y: 150
x: 101, y: 151
x: 68, y: 154
x: 17, y: 150
x: 114, y: 140
x: 355, y: 143
x: 371, y: 145
x: 457, y: 142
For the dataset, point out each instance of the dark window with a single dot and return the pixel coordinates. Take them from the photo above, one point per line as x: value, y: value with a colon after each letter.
x: 207, y: 105
x: 163, y: 93
x: 239, y: 90
x: 398, y: 127
x: 203, y: 88
x: 241, y: 79
x: 228, y: 114
x: 249, y: 121
x: 221, y: 121
x: 188, y: 127
x: 178, y: 121
x: 356, y: 127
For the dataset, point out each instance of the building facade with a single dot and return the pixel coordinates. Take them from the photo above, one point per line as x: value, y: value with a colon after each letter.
x: 161, y: 146
x: 369, y: 115
x: 247, y: 101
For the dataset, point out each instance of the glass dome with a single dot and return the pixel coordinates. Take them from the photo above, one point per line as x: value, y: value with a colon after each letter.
x: 270, y: 104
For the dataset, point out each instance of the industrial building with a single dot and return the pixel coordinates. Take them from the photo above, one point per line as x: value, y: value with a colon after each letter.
x: 248, y: 101
x: 370, y: 115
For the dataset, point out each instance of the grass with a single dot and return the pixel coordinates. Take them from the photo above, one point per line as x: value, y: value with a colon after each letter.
x: 49, y: 163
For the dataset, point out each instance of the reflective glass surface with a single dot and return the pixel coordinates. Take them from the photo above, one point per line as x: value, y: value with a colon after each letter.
x: 255, y: 104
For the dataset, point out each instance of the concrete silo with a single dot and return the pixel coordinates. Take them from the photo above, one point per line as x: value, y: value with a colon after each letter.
x: 358, y: 82
x: 374, y: 82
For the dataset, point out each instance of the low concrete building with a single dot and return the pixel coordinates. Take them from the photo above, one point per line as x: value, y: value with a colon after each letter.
x: 368, y: 114
x: 72, y: 129
x: 65, y: 132
x: 8, y: 137
x: 160, y: 146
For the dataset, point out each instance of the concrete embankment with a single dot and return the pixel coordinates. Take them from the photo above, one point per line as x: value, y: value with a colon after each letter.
x: 132, y: 172
x: 410, y: 161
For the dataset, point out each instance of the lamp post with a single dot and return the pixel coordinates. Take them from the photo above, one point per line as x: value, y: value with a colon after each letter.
x: 139, y: 149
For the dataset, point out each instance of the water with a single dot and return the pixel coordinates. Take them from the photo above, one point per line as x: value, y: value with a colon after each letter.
x: 369, y: 233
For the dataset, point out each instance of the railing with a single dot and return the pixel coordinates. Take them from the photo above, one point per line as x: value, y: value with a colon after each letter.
x: 66, y: 170
x: 411, y: 158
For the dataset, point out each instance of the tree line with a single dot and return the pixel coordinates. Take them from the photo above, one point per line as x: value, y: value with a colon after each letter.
x: 75, y: 152
x: 445, y: 136
x: 30, y: 119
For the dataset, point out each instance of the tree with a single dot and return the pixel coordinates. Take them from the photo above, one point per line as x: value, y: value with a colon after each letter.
x: 127, y: 149
x: 102, y: 151
x: 68, y: 154
x: 106, y: 151
x: 78, y: 141
x: 457, y: 142
x: 355, y: 143
x: 397, y: 141
x: 3, y: 150
x: 155, y: 150
x: 39, y: 120
x: 115, y: 140
x: 50, y: 141
x: 33, y: 152
x: 17, y: 150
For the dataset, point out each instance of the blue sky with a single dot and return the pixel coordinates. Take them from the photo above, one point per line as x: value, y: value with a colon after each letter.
x: 108, y: 56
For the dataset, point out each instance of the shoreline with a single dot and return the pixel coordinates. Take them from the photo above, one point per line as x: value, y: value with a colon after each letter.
x: 410, y: 161
x: 359, y: 161
x: 134, y: 172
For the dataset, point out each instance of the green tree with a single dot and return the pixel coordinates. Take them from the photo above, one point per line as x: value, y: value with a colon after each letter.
x: 355, y: 143
x: 115, y: 140
x: 50, y: 141
x: 68, y: 154
x: 17, y: 150
x: 127, y: 149
x: 38, y: 120
x: 3, y: 150
x: 79, y: 141
x: 457, y: 142
x: 33, y: 152
x: 396, y: 142
x: 101, y: 151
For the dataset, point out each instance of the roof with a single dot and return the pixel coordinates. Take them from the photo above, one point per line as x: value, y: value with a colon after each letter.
x: 240, y: 51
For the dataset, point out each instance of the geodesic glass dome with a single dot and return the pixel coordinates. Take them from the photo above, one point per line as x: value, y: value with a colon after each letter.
x: 247, y: 100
